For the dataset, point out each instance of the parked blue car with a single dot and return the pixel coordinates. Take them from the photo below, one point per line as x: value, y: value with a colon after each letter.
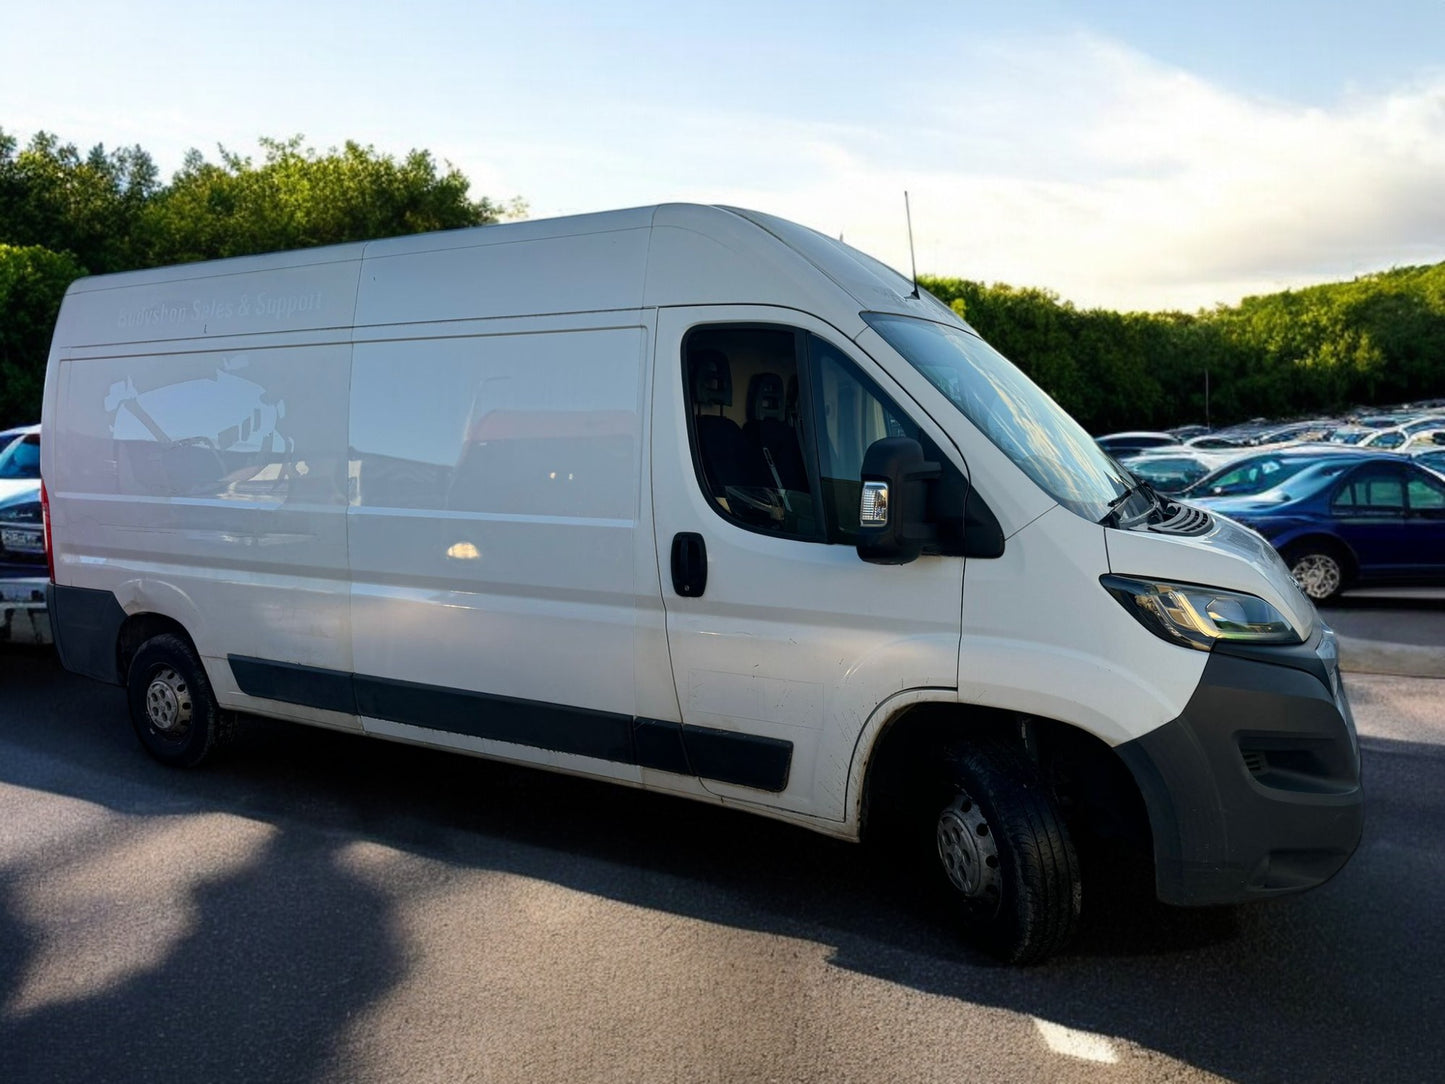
x: 1347, y: 522
x: 1258, y: 471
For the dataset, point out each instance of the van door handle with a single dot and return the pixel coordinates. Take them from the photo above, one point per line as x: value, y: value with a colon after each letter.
x: 689, y: 564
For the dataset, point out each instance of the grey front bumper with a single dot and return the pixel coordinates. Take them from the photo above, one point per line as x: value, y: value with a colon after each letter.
x: 1255, y: 789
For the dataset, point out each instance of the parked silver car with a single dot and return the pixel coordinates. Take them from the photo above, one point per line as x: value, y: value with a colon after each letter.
x: 23, y: 575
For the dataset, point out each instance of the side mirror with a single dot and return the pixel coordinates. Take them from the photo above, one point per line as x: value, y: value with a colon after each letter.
x: 893, y: 507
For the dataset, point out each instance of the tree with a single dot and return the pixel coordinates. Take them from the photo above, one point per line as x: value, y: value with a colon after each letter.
x: 1324, y: 348
x: 62, y: 213
x: 297, y: 198
x: 32, y: 283
x: 88, y: 206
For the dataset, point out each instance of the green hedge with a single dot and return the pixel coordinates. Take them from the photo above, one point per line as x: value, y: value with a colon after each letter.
x: 32, y: 283
x: 1378, y: 339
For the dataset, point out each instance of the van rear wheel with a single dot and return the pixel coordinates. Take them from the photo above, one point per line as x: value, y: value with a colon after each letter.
x: 172, y: 707
x: 1006, y: 861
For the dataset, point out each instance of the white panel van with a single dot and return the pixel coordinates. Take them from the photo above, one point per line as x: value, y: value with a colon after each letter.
x: 699, y: 500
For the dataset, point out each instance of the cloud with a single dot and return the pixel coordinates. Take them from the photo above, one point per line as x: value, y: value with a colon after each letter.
x: 1069, y: 161
x: 1080, y: 165
x: 1165, y: 190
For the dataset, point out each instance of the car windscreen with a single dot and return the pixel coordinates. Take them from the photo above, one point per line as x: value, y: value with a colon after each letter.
x: 1253, y: 475
x: 1309, y: 481
x: 21, y: 459
x: 1011, y: 410
x: 1167, y: 475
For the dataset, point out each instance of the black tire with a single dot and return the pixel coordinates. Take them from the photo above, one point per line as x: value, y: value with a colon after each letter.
x: 1321, y: 570
x: 172, y: 708
x: 1003, y: 854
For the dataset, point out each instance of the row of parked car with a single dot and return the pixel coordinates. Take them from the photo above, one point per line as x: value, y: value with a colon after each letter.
x: 1345, y: 501
x: 21, y: 541
x: 23, y: 575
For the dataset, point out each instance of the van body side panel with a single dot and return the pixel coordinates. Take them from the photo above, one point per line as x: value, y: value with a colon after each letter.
x: 703, y: 256
x: 1042, y: 637
x: 196, y: 455
x: 657, y: 737
x: 277, y: 294
x: 486, y: 274
x: 210, y: 486
x: 494, y: 506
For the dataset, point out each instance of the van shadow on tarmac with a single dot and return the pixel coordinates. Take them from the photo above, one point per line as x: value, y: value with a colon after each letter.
x: 1332, y: 984
x: 289, y: 936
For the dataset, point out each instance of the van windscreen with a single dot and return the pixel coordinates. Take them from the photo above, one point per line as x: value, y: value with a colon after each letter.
x: 1011, y: 410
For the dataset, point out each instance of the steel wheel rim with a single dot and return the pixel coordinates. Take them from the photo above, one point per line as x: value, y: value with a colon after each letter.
x: 1318, y: 575
x: 169, y: 705
x: 969, y: 853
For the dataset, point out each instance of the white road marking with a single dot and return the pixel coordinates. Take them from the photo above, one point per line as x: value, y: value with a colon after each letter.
x: 1077, y: 1044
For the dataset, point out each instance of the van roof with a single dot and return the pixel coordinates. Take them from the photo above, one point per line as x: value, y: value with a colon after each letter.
x: 644, y: 257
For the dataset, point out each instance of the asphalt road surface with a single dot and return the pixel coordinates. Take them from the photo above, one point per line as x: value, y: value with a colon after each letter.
x: 1398, y: 615
x: 324, y: 907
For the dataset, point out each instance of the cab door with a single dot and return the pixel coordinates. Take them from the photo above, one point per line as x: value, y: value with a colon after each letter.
x: 782, y: 641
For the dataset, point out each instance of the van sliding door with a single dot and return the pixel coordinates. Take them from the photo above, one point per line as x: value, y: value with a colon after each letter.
x: 493, y: 513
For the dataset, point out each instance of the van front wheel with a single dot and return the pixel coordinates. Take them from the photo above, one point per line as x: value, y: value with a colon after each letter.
x: 1006, y: 859
x: 172, y: 708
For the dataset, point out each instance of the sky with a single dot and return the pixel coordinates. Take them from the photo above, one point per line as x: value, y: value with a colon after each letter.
x: 1122, y: 153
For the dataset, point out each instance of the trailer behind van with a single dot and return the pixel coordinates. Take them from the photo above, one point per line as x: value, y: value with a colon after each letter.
x: 693, y: 499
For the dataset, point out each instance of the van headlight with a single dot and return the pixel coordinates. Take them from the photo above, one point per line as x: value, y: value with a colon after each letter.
x: 1185, y: 613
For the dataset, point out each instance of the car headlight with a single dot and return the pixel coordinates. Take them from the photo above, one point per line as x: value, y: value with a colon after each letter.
x: 1199, y: 617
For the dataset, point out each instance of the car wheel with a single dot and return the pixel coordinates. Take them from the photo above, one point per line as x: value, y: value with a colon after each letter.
x: 172, y: 707
x: 1319, y: 571
x: 1006, y: 861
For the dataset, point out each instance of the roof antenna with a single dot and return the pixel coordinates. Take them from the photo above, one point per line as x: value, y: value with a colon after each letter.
x: 908, y: 213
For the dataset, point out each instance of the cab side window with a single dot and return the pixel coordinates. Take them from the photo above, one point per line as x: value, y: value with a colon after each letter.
x: 780, y: 421
x: 849, y: 415
x: 749, y: 442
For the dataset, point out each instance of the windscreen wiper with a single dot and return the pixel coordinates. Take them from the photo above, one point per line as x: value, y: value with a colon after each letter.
x: 1114, y: 516
x: 1111, y: 514
x: 1157, y: 503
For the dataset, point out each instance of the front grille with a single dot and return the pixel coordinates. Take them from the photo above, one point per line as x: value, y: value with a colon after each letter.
x: 1254, y: 761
